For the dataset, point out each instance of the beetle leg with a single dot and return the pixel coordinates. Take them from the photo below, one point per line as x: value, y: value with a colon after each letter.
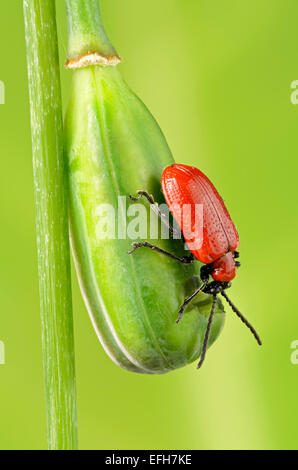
x: 189, y: 299
x: 207, y: 334
x: 185, y: 259
x: 157, y: 211
x: 141, y: 194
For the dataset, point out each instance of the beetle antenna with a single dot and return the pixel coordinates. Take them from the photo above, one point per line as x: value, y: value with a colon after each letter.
x: 242, y: 318
x: 207, y: 334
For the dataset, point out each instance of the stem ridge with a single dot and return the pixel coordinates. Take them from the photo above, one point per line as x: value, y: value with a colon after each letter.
x: 51, y: 203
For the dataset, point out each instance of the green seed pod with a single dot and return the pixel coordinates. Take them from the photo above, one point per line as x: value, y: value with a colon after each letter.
x: 115, y: 147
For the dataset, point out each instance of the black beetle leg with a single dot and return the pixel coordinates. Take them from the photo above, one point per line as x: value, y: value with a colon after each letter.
x: 157, y: 211
x: 185, y: 259
x: 189, y: 299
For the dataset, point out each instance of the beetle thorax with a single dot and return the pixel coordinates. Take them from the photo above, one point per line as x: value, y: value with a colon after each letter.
x: 224, y: 269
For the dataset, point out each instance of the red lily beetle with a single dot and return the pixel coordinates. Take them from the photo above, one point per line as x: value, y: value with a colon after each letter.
x: 217, y: 247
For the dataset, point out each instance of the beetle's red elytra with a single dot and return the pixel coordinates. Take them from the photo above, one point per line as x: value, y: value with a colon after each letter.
x: 182, y: 186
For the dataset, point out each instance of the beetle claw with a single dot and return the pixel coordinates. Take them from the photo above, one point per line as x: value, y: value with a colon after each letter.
x: 180, y: 315
x: 135, y: 246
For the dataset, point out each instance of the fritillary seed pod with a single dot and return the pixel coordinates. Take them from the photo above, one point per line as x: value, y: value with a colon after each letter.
x: 114, y: 147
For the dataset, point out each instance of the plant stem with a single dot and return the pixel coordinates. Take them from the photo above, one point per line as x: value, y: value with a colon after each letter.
x: 87, y: 41
x: 52, y: 223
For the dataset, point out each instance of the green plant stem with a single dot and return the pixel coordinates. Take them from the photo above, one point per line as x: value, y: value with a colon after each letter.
x: 86, y: 34
x: 52, y: 223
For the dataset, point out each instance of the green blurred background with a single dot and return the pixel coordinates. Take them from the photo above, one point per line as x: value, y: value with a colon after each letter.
x: 217, y: 77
